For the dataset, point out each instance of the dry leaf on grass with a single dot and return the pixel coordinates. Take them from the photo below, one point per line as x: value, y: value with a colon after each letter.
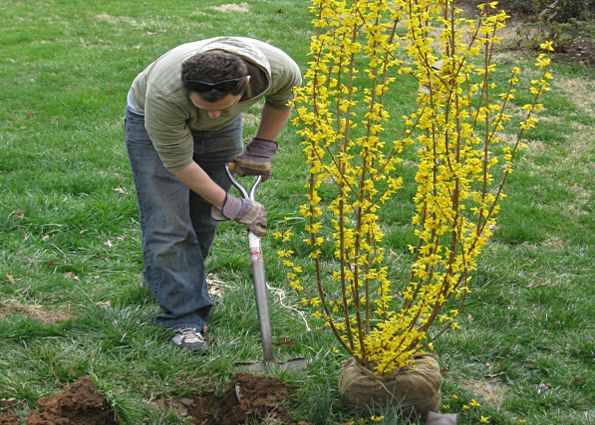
x: 216, y: 285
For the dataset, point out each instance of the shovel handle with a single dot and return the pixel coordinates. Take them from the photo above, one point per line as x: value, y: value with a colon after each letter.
x: 258, y: 275
x: 251, y: 195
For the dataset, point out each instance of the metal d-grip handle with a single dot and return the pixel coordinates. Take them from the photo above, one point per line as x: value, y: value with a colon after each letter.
x: 245, y: 194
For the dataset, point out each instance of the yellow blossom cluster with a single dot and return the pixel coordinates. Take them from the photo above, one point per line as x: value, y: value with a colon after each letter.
x: 362, y: 52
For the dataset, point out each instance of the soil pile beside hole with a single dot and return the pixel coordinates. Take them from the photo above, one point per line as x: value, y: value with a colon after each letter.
x: 79, y: 404
x: 250, y: 398
x: 9, y: 419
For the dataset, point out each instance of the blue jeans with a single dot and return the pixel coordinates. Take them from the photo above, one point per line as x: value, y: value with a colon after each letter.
x: 176, y: 224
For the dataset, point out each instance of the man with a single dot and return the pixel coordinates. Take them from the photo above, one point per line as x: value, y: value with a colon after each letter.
x: 183, y: 124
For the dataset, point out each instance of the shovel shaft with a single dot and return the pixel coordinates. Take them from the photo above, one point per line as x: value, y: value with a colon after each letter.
x: 259, y: 280
x: 261, y: 296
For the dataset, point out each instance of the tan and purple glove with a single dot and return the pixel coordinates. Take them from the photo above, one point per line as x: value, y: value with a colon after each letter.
x: 249, y: 213
x: 255, y: 160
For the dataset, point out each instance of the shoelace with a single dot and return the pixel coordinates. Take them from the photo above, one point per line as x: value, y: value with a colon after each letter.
x: 191, y: 335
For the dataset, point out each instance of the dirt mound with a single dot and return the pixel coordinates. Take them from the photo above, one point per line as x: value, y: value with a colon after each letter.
x: 79, y: 404
x: 247, y: 399
x: 8, y: 419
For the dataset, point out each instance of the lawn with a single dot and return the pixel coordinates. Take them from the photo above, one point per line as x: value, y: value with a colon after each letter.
x: 72, y: 304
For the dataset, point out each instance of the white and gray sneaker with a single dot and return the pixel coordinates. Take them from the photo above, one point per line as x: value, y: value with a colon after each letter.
x: 190, y: 339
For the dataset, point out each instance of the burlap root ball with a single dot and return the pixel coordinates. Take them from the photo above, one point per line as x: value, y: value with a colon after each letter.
x: 415, y: 388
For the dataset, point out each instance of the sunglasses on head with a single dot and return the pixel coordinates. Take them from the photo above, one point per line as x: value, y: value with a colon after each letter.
x: 222, y: 86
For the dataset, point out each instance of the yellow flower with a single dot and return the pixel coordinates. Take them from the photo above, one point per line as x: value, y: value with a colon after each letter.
x: 543, y: 61
x: 548, y: 45
x: 484, y: 420
x: 377, y: 418
x: 474, y: 403
x: 353, y: 156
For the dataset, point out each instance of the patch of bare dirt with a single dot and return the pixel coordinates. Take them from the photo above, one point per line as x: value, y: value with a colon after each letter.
x: 580, y: 91
x: 491, y: 391
x: 584, y: 50
x: 521, y: 32
x: 9, y: 419
x: 232, y: 7
x: 116, y: 20
x: 79, y: 404
x: 34, y: 311
x: 247, y: 399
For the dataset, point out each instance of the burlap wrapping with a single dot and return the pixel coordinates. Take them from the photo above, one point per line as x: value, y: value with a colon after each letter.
x: 415, y: 388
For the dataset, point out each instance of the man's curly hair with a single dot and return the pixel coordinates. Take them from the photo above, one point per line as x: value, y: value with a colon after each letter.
x: 211, y: 67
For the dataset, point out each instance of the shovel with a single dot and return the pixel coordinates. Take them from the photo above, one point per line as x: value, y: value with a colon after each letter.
x: 260, y: 293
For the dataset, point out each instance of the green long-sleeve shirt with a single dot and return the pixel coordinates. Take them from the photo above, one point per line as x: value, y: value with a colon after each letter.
x: 158, y: 94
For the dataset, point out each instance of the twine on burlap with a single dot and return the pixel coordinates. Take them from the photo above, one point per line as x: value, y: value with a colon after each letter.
x: 415, y: 388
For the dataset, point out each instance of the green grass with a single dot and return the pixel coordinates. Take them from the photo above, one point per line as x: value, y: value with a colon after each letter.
x: 70, y: 242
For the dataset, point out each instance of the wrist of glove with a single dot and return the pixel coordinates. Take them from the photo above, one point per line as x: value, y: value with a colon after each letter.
x: 255, y: 160
x: 244, y: 211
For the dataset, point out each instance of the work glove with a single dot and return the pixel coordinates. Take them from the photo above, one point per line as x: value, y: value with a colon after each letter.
x: 255, y: 160
x: 249, y: 213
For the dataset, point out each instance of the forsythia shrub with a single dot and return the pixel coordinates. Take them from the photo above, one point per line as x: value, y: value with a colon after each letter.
x: 361, y: 54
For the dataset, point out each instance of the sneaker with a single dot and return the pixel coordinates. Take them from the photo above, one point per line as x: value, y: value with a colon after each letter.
x: 189, y: 338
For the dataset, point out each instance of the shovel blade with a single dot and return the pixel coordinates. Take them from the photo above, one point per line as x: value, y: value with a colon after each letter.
x: 298, y: 364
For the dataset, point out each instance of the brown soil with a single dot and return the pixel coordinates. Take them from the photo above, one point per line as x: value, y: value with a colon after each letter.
x: 581, y: 48
x: 36, y: 312
x: 248, y: 399
x: 8, y: 405
x: 584, y: 50
x: 8, y: 419
x: 232, y: 7
x: 79, y: 404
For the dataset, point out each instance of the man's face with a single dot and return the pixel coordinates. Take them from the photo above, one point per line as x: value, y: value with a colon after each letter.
x: 214, y: 109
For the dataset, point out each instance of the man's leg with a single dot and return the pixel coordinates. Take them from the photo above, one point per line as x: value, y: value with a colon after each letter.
x: 174, y: 263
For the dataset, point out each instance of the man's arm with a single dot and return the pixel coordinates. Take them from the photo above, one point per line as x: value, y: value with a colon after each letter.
x: 200, y: 183
x: 249, y: 213
x: 272, y: 121
x: 256, y: 157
